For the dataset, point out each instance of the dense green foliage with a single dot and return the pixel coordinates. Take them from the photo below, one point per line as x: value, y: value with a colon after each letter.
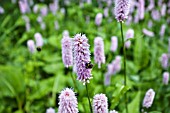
x: 32, y: 82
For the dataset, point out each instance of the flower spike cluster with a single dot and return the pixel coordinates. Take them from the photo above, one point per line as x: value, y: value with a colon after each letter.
x: 81, y: 55
x: 68, y: 102
x: 122, y: 10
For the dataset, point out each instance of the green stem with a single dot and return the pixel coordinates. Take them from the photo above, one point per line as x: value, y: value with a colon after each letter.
x: 19, y: 104
x: 75, y: 86
x: 88, y: 98
x: 124, y: 55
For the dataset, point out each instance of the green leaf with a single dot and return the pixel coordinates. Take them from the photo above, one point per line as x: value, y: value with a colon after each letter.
x: 134, y: 106
x: 11, y: 81
x: 118, y: 94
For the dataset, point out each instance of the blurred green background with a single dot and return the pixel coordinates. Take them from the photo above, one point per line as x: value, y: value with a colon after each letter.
x: 31, y: 83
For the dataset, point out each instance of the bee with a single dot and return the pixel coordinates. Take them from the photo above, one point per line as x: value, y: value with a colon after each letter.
x: 38, y: 49
x: 89, y: 65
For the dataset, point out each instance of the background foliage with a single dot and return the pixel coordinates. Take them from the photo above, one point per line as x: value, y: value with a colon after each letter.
x: 32, y: 82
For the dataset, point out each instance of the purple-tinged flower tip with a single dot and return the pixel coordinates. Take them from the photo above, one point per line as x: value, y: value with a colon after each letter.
x: 148, y: 33
x: 113, y: 111
x: 38, y: 39
x: 98, y: 19
x: 31, y: 46
x: 165, y: 78
x: 67, y: 102
x: 99, y: 56
x: 67, y: 55
x: 164, y: 60
x: 50, y: 110
x: 81, y: 55
x: 122, y: 8
x: 100, y: 104
x: 114, y: 43
x: 148, y: 99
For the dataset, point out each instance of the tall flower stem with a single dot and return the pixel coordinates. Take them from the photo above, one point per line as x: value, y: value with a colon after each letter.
x: 89, y: 98
x: 124, y: 61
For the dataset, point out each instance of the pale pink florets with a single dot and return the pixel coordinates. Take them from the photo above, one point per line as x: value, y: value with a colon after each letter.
x: 114, y: 43
x: 164, y: 60
x: 100, y: 104
x: 121, y: 10
x: 98, y: 19
x: 165, y: 78
x: 68, y: 102
x: 38, y: 39
x: 81, y: 55
x: 31, y: 46
x: 99, y: 56
x: 50, y: 110
x: 148, y: 99
x: 67, y: 55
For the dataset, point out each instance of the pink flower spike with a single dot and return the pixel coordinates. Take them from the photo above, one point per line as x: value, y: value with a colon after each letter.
x: 98, y: 19
x: 81, y: 55
x: 148, y: 99
x: 165, y: 78
x: 67, y: 55
x: 114, y: 44
x: 67, y: 102
x: 31, y: 46
x: 99, y: 56
x: 38, y: 39
x: 122, y: 8
x: 100, y: 104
